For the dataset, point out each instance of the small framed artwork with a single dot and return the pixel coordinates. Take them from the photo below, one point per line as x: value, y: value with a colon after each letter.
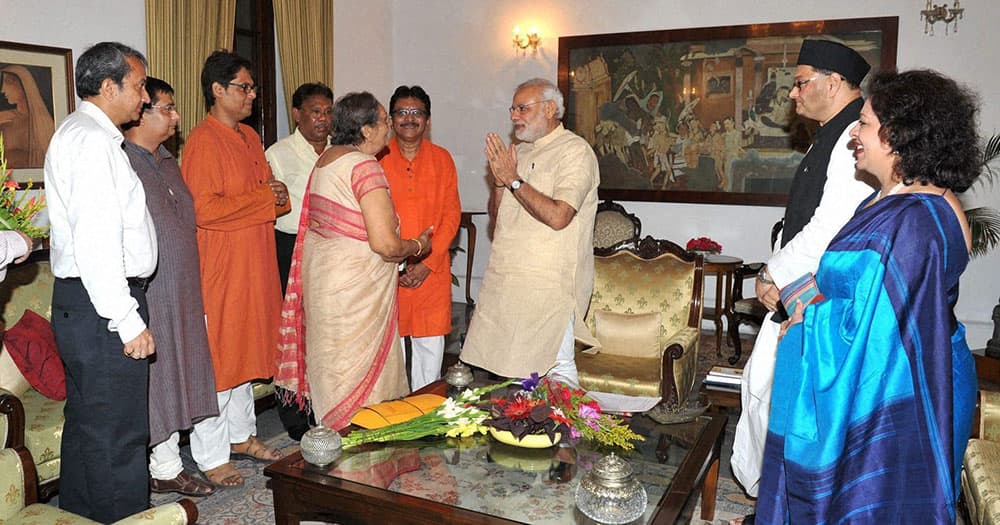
x: 701, y: 115
x: 36, y: 93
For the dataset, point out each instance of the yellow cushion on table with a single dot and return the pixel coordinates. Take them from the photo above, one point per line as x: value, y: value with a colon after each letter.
x: 632, y: 335
x: 396, y: 411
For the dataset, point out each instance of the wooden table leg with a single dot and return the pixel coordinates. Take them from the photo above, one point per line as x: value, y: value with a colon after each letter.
x: 709, y: 491
x: 719, y: 305
x: 470, y: 228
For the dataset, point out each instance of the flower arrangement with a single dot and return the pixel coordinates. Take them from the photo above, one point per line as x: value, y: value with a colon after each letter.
x: 704, y: 244
x: 456, y: 417
x: 17, y: 212
x: 543, y: 406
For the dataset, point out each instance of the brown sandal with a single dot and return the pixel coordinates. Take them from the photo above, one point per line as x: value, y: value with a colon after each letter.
x: 225, y: 476
x: 254, y: 449
x: 184, y: 483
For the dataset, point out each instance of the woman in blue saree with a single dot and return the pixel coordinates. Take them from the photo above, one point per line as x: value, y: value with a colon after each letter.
x: 873, y: 399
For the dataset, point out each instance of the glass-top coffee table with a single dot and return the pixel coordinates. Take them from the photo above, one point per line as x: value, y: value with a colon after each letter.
x: 478, y: 480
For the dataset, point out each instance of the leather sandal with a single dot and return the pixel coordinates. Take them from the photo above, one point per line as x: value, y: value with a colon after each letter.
x: 254, y: 449
x: 224, y: 476
x: 184, y: 483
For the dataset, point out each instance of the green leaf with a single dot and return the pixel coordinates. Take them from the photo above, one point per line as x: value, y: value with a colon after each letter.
x: 985, y: 225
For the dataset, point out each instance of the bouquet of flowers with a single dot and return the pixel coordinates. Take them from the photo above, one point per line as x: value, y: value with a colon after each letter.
x: 545, y: 406
x: 704, y: 244
x: 17, y: 212
x: 456, y: 417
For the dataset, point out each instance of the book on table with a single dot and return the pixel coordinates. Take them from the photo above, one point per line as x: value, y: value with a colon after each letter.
x: 723, y: 375
x: 733, y: 389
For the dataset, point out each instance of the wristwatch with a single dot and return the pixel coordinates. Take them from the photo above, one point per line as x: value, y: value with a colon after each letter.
x: 514, y: 186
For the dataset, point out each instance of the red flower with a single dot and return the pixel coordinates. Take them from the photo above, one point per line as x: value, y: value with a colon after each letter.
x: 520, y: 408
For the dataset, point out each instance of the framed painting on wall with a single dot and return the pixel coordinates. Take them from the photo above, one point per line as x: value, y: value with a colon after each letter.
x: 36, y: 94
x: 701, y: 115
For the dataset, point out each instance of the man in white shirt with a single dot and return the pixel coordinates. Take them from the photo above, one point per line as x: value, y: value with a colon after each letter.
x: 292, y: 159
x: 825, y: 192
x: 103, y: 252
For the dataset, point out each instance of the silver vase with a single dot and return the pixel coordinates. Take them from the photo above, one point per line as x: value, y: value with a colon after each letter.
x: 320, y: 446
x: 610, y: 494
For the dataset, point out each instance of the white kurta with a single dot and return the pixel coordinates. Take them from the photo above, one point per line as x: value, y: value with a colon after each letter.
x: 842, y: 193
x: 538, y: 279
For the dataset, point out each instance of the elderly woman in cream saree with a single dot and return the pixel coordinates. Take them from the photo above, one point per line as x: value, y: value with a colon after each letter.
x: 28, y: 127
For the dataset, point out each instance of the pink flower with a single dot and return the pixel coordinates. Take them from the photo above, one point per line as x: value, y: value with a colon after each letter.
x: 588, y: 412
x: 11, y: 185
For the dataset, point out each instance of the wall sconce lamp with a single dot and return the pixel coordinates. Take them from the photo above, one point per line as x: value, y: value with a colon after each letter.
x: 933, y: 14
x: 523, y: 42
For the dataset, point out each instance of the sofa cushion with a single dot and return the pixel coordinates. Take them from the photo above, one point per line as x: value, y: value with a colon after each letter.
x: 981, y: 480
x: 633, y: 335
x: 32, y: 346
x: 619, y: 375
x: 43, y: 429
x: 11, y: 378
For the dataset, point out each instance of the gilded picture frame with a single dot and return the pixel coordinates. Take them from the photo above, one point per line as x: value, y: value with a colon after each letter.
x: 701, y: 115
x: 37, y: 94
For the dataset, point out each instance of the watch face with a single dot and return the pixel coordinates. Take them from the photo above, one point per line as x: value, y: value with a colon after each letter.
x: 515, y: 185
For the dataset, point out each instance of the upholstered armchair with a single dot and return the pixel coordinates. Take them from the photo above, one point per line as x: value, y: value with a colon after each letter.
x: 646, y: 313
x: 614, y: 227
x: 981, y: 464
x: 27, y: 417
x: 19, y: 503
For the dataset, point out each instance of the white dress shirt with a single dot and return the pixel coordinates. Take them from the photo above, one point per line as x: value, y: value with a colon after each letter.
x: 292, y: 159
x: 12, y: 246
x: 100, y: 227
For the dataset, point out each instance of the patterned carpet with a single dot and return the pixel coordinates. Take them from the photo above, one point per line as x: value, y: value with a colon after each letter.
x: 253, y: 503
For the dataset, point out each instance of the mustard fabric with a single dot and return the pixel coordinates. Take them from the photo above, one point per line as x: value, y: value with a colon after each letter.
x: 629, y: 335
x: 396, y: 411
x: 43, y: 429
x: 616, y: 374
x: 27, y: 287
x: 989, y: 416
x: 627, y: 284
x: 981, y: 481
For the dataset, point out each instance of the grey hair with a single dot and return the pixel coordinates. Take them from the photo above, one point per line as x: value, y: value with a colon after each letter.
x: 549, y: 92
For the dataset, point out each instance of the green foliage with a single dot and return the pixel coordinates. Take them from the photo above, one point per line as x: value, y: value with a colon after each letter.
x: 985, y: 221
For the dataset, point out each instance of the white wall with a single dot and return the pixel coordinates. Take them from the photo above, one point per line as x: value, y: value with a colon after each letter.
x: 460, y: 51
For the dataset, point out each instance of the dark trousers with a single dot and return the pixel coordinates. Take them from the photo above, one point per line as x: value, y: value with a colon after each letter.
x: 103, y: 474
x: 295, y: 421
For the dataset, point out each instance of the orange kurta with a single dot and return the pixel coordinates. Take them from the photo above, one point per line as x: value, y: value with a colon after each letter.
x: 424, y: 192
x: 234, y: 209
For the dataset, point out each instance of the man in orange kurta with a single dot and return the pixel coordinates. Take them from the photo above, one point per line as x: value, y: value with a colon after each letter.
x: 236, y: 200
x: 423, y: 185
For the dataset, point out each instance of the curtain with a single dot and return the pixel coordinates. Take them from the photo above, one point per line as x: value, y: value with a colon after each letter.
x: 305, y: 44
x: 180, y: 34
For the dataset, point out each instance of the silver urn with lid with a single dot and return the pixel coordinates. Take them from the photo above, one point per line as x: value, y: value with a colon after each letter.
x: 458, y: 378
x: 320, y: 446
x: 609, y: 493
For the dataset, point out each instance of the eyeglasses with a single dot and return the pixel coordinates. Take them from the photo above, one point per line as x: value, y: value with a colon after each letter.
x: 412, y: 112
x: 168, y: 109
x: 800, y: 83
x: 245, y: 86
x: 521, y: 108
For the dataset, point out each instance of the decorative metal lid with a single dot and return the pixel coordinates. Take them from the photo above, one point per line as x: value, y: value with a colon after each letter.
x: 458, y: 375
x: 612, y: 471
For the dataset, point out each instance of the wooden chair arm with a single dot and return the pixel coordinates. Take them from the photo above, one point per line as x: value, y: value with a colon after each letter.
x: 12, y: 408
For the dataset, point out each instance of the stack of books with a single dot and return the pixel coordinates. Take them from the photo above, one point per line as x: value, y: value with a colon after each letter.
x: 724, y: 378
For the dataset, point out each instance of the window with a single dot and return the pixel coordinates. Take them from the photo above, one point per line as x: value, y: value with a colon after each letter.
x: 253, y: 39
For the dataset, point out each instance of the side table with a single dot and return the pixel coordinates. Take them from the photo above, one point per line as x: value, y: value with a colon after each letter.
x: 723, y: 267
x: 470, y: 229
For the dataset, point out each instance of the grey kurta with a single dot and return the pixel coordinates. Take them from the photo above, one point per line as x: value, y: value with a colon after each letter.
x: 538, y: 279
x: 181, y: 378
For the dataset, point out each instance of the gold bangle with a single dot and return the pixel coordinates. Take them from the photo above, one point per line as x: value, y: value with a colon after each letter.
x: 420, y: 247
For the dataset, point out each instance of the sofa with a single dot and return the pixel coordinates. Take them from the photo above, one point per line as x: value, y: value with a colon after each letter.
x: 19, y: 503
x: 28, y: 418
x: 981, y: 464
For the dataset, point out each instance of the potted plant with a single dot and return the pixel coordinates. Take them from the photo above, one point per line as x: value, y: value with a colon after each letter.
x: 984, y: 222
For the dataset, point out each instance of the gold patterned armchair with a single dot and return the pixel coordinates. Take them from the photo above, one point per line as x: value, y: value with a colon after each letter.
x: 614, y: 227
x: 646, y: 313
x: 981, y: 464
x: 19, y: 501
x: 27, y: 417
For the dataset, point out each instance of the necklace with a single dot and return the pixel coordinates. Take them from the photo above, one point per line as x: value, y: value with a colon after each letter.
x: 892, y: 191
